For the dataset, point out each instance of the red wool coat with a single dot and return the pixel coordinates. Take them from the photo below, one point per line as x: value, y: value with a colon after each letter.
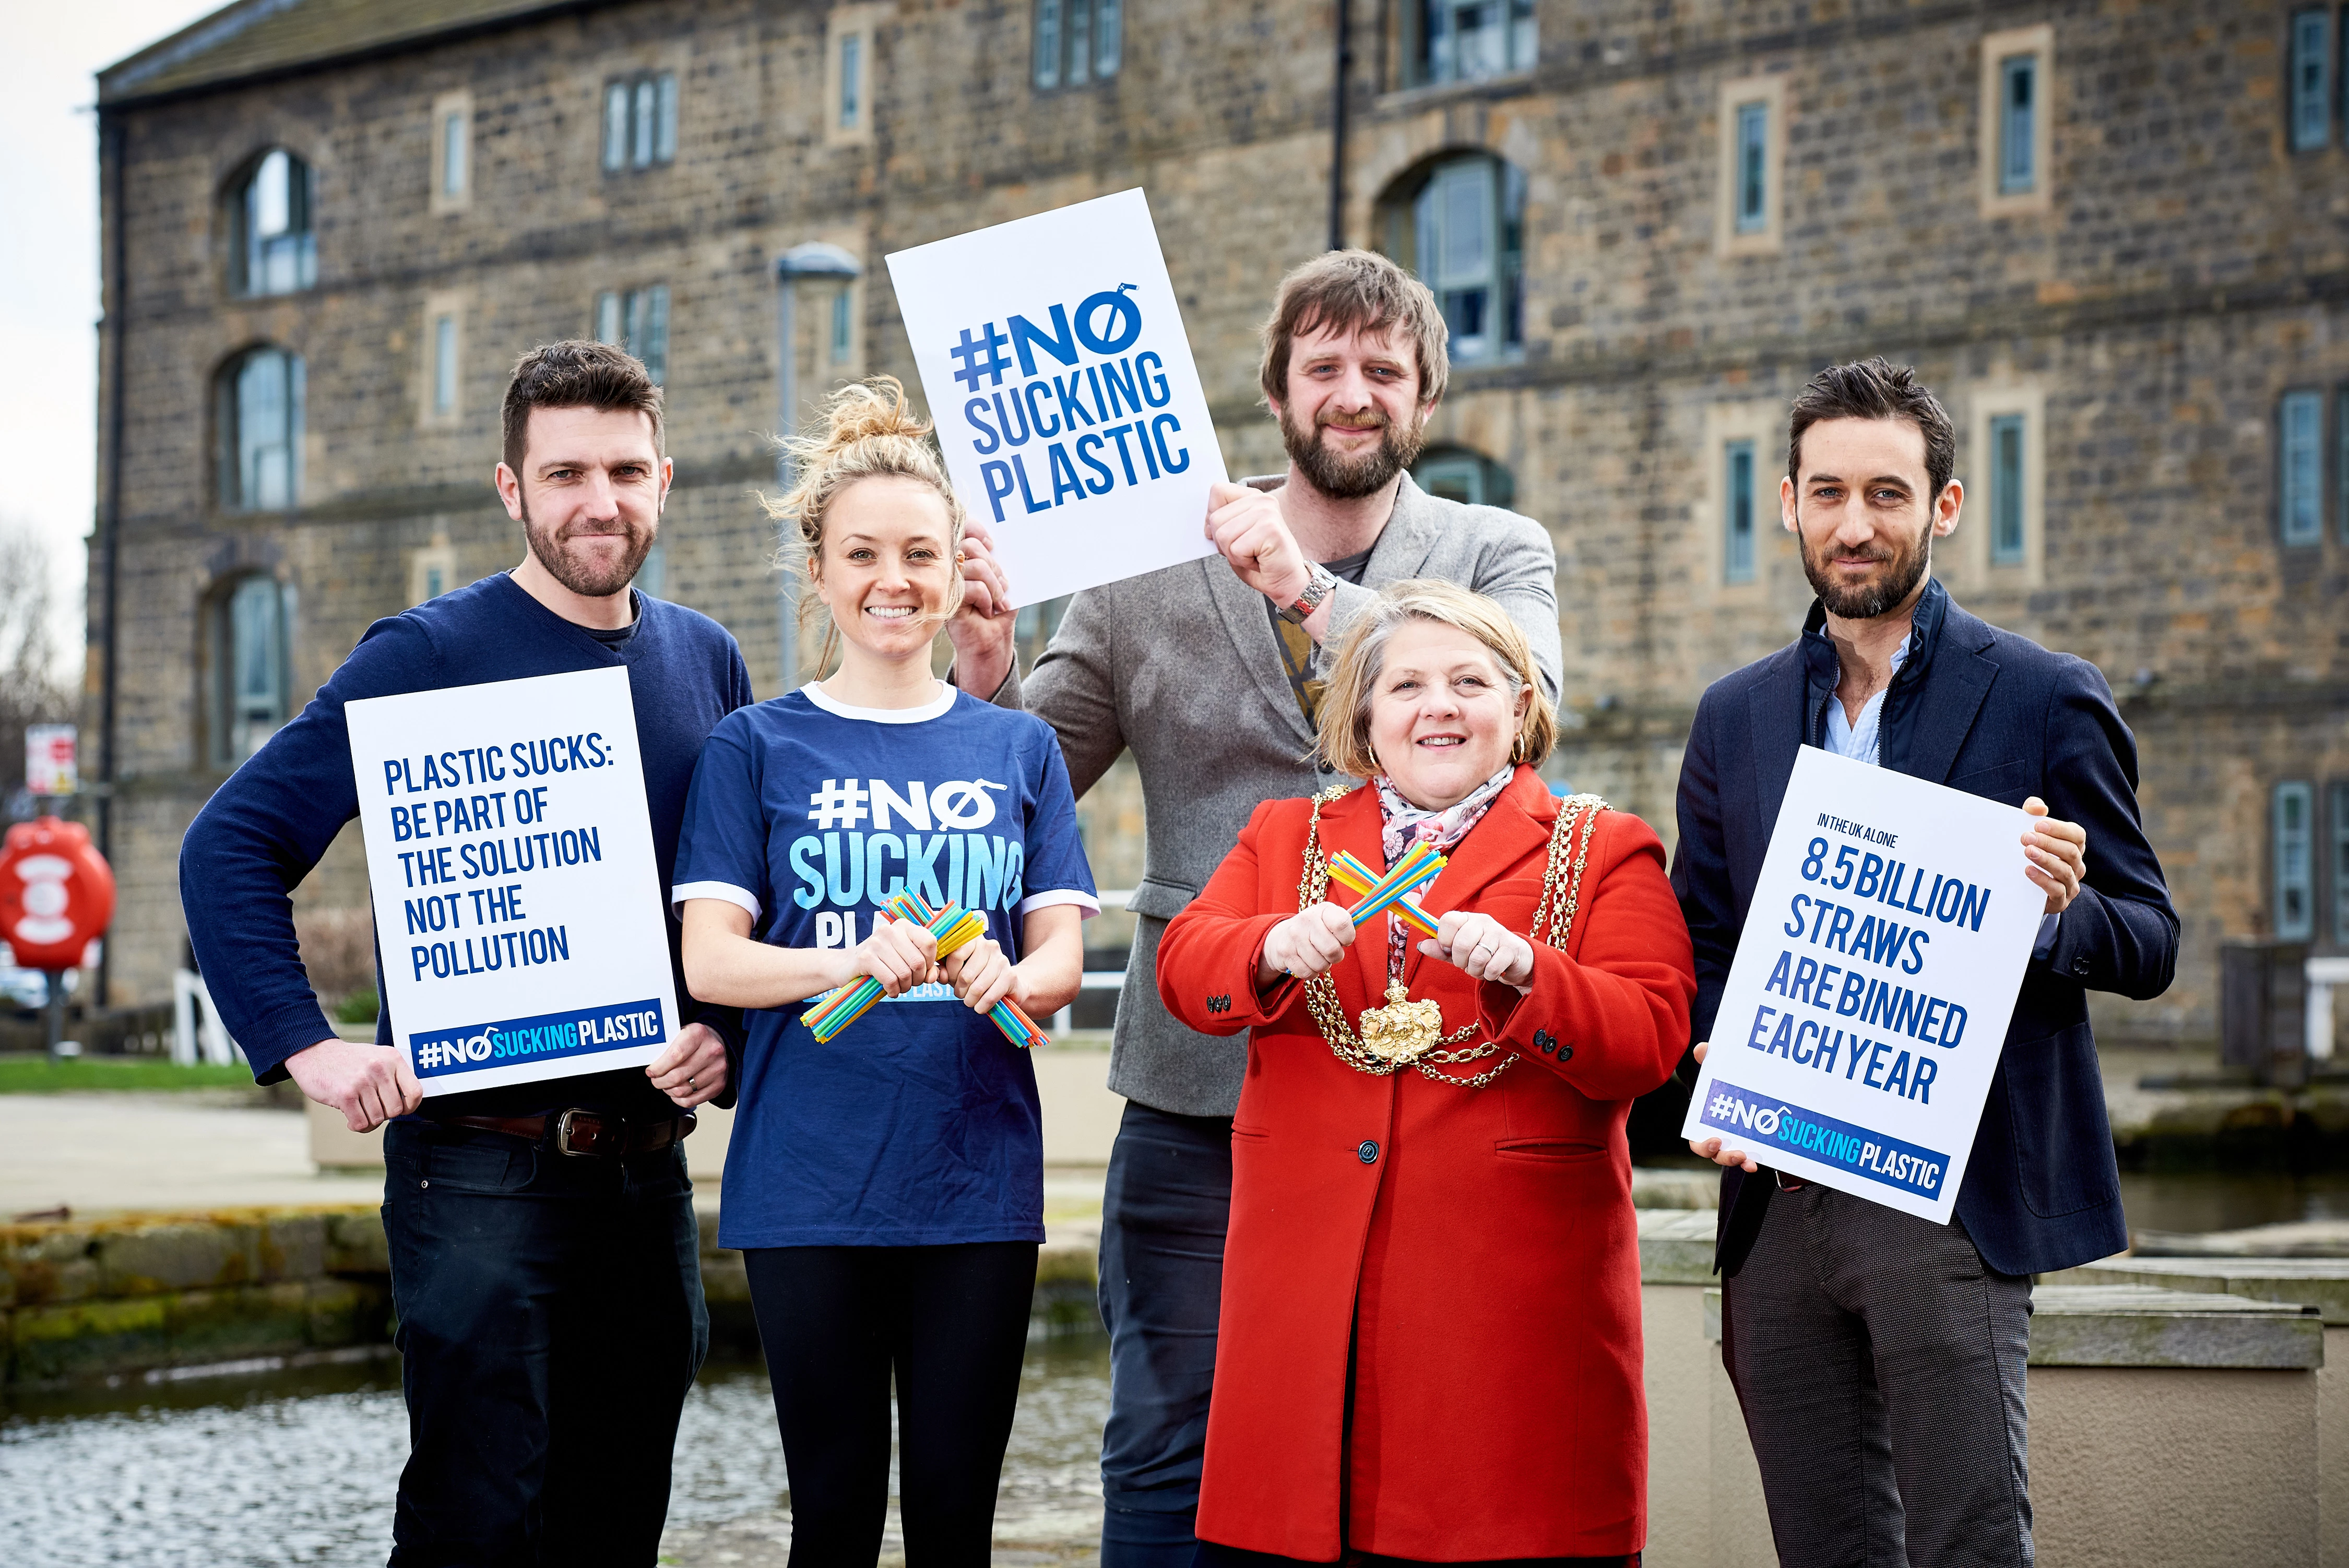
x: 1479, y: 1244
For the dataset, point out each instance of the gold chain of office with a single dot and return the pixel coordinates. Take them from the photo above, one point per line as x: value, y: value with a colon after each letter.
x: 1405, y: 1033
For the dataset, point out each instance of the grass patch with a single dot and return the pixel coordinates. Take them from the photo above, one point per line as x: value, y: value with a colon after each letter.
x: 21, y: 1074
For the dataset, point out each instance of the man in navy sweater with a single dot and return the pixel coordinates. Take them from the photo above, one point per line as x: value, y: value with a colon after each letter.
x: 545, y: 1256
x: 1879, y: 1359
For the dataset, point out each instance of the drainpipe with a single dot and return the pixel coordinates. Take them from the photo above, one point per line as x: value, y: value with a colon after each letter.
x: 1338, y: 128
x: 814, y: 260
x: 111, y: 130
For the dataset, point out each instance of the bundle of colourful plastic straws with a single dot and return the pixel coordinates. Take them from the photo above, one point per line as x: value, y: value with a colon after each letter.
x: 1380, y: 894
x: 955, y: 928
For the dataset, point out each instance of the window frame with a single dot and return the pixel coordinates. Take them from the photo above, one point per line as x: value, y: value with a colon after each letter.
x: 2279, y: 845
x: 2000, y: 51
x: 453, y: 150
x: 2009, y: 491
x: 2291, y: 535
x: 1519, y: 32
x: 639, y: 123
x: 1404, y: 212
x: 1074, y: 43
x: 636, y: 320
x: 1732, y: 235
x: 232, y: 484
x: 1976, y: 557
x: 224, y: 700
x: 246, y: 256
x: 2018, y: 154
x: 1740, y: 550
x: 1490, y: 483
x: 2309, y: 113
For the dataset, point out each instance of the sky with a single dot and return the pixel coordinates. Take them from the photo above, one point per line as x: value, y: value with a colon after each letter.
x: 49, y: 282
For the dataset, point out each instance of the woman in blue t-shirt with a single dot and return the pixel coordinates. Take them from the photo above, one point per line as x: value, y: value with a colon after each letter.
x: 886, y: 1188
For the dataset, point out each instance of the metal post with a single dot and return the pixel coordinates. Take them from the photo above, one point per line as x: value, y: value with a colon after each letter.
x: 814, y: 260
x: 56, y: 1013
x: 1338, y: 128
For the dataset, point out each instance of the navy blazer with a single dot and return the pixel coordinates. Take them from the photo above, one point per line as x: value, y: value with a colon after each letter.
x: 1998, y: 716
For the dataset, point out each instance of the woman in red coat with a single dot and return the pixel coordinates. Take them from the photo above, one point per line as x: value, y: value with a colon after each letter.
x: 1430, y: 1342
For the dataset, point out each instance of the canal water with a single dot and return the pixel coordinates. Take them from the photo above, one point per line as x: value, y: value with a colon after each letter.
x: 258, y: 1469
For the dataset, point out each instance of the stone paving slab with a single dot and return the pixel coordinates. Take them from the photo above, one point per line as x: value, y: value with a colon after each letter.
x: 101, y: 1153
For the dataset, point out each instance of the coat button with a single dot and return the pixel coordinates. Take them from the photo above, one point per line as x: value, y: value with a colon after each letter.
x: 1566, y: 1052
x: 1368, y: 1153
x: 2080, y: 966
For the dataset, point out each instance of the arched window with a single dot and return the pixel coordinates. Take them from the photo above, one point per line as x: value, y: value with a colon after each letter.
x: 273, y: 249
x: 1458, y: 474
x: 250, y: 667
x: 1458, y: 222
x: 260, y: 398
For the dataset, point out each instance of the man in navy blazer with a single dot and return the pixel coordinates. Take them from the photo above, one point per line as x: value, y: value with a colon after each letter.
x: 1879, y: 1357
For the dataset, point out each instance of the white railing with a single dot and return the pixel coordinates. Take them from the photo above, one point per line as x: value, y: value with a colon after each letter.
x: 2323, y: 974
x: 1113, y: 900
x: 196, y: 1027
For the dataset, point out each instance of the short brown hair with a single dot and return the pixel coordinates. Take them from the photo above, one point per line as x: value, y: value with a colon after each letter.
x: 1353, y: 290
x: 1345, y: 718
x: 577, y: 373
x: 1875, y: 388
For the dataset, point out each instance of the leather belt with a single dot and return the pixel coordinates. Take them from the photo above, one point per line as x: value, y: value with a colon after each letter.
x: 590, y: 1134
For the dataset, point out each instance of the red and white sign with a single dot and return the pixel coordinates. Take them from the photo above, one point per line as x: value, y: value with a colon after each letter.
x: 57, y: 894
x: 49, y: 766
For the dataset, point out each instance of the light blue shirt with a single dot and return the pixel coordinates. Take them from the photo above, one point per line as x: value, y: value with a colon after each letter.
x: 1862, y: 740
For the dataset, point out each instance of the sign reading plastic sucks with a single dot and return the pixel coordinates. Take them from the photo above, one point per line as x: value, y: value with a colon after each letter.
x: 517, y: 903
x: 1053, y: 360
x: 1869, y: 998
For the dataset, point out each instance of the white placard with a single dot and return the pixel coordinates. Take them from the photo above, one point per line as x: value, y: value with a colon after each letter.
x: 50, y: 759
x: 517, y: 901
x: 1053, y: 357
x: 1868, y: 1000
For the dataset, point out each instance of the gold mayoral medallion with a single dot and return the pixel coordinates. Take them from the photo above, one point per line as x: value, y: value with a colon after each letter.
x: 1403, y: 1030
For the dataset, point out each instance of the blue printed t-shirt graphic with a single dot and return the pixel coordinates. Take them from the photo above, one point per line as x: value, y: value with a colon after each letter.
x: 918, y: 1124
x: 1052, y: 438
x: 1875, y: 1155
x: 513, y: 1041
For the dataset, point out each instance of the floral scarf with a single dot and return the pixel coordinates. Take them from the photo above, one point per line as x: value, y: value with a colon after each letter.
x: 1402, y: 824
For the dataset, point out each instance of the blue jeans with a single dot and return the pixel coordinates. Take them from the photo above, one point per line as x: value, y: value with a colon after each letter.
x: 1164, y: 1213
x: 551, y: 1322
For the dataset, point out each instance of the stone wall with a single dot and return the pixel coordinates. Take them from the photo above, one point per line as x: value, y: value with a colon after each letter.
x: 2185, y: 271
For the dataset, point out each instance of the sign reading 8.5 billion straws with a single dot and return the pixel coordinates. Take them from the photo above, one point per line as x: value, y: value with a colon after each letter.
x: 1072, y: 416
x: 517, y: 903
x: 1868, y: 1003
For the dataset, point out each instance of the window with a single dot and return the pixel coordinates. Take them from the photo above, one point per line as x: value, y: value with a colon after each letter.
x: 452, y: 151
x: 843, y: 324
x: 1459, y: 224
x: 2016, y: 132
x: 251, y: 680
x: 1032, y: 630
x: 2310, y: 99
x: 260, y: 401
x: 2340, y: 815
x: 1753, y: 167
x: 2300, y: 478
x: 453, y: 155
x: 444, y: 365
x: 2295, y: 834
x: 1470, y: 40
x: 640, y: 121
x: 1737, y: 513
x: 274, y: 251
x: 2006, y: 489
x: 2018, y: 118
x: 652, y: 575
x: 637, y: 320
x: 1466, y: 477
x: 1077, y: 41
x: 852, y: 80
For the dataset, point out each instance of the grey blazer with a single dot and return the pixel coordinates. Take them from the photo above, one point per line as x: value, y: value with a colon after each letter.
x: 1181, y: 666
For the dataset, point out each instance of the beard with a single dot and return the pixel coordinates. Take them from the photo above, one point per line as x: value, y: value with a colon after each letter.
x: 1886, y: 590
x: 588, y: 577
x: 1350, y: 479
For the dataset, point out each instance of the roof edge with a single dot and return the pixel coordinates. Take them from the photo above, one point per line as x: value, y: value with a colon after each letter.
x: 203, y: 33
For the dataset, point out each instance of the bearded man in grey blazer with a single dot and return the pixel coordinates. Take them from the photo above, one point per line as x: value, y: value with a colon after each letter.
x: 1210, y: 672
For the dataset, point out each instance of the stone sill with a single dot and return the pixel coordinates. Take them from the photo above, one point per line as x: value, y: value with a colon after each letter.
x: 2321, y: 1283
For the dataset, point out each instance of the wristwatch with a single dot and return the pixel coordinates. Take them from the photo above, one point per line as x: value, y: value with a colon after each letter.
x: 1318, y: 586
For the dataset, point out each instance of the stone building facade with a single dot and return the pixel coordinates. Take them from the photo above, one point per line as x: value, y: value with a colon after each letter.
x: 2111, y: 234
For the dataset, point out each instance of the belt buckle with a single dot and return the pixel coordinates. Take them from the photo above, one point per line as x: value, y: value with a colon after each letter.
x: 563, y: 1133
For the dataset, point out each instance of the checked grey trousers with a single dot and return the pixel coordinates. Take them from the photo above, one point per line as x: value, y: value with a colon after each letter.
x: 1879, y: 1363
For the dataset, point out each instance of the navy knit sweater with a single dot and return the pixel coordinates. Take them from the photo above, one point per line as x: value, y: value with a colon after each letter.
x: 263, y: 830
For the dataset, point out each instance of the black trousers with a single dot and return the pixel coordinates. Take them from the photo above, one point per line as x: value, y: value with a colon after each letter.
x: 1213, y: 1556
x: 950, y: 1325
x: 1164, y: 1210
x: 551, y: 1322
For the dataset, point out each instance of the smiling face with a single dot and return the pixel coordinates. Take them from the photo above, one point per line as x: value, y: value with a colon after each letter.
x: 1352, y: 419
x: 589, y: 495
x: 886, y: 569
x: 1443, y: 715
x: 1864, y: 514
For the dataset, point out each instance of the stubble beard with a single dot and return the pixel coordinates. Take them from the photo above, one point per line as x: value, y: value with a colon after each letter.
x: 585, y: 577
x: 1866, y: 601
x: 1350, y: 479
